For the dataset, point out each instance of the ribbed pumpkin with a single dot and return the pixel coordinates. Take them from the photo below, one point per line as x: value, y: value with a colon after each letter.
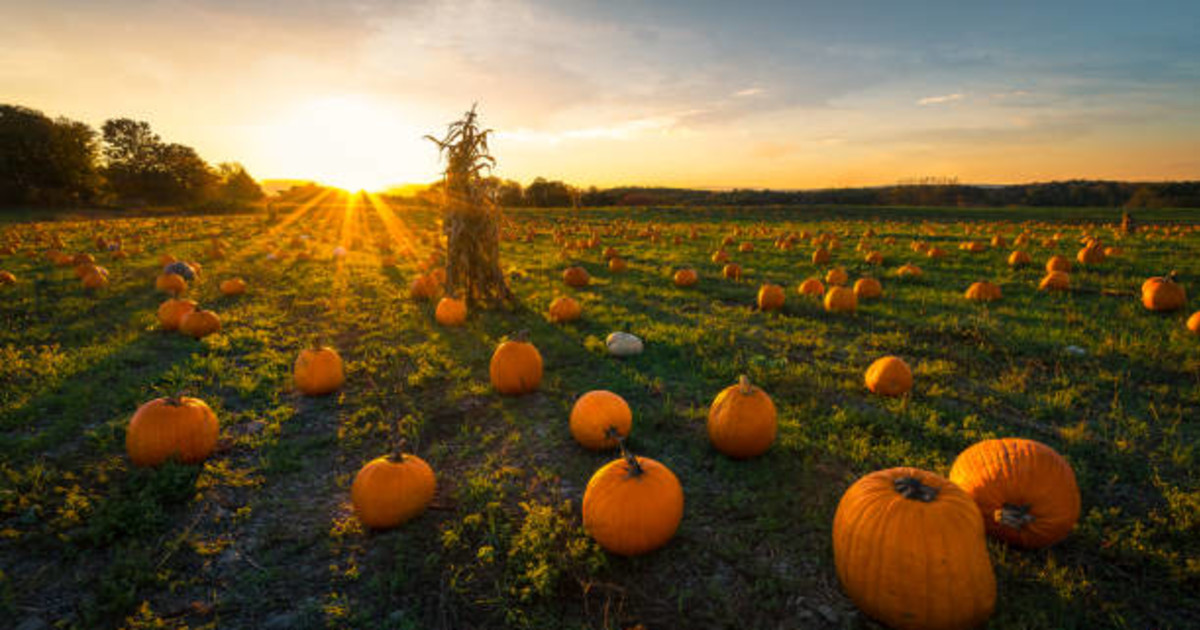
x: 1026, y: 492
x: 1055, y: 281
x: 686, y: 277
x: 391, y: 490
x: 910, y: 551
x: 96, y: 278
x: 178, y: 426
x: 837, y: 277
x: 516, y: 367
x: 1163, y: 294
x: 720, y: 256
x: 318, y: 371
x: 821, y: 256
x: 1058, y: 263
x: 451, y: 312
x: 599, y: 419
x: 889, y: 376
x: 632, y: 505
x: 199, y: 323
x: 423, y: 287
x: 909, y: 270
x: 742, y: 420
x: 565, y: 309
x: 1093, y: 254
x: 811, y: 286
x: 983, y: 291
x: 1193, y: 323
x: 1019, y: 259
x: 867, y: 288
x: 873, y: 258
x: 770, y: 297
x: 7, y: 278
x: 170, y: 283
x: 233, y: 286
x: 616, y: 264
x: 576, y: 277
x: 172, y: 311
x: 841, y: 300
x: 732, y: 271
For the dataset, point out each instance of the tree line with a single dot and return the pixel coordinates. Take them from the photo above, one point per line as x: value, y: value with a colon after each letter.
x: 62, y: 162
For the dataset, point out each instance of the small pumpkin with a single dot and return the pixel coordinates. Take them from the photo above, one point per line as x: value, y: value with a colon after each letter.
x: 1163, y: 294
x: 516, y: 367
x: 170, y: 283
x: 565, y: 309
x: 686, y: 277
x: 732, y: 271
x: 983, y: 291
x: 821, y: 256
x: 7, y: 278
x: 232, y: 287
x: 867, y: 288
x: 1026, y: 492
x: 576, y: 277
x: 451, y: 311
x: 318, y: 371
x: 742, y: 420
x: 96, y: 278
x: 1019, y: 259
x: 910, y: 551
x: 841, y: 300
x: 171, y: 312
x: 623, y: 344
x: 1193, y: 323
x: 770, y: 297
x: 837, y: 277
x: 632, y: 505
x: 391, y: 490
x: 889, y: 376
x: 176, y: 426
x: 199, y: 323
x: 599, y: 419
x: 909, y: 270
x: 1058, y: 263
x: 616, y: 264
x: 811, y: 286
x: 423, y: 287
x: 1055, y: 281
x: 720, y: 256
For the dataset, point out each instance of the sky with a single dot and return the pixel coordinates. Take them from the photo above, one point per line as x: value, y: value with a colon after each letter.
x: 787, y: 94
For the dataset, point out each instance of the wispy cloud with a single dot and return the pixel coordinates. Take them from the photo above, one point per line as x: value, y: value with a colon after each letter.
x: 939, y: 100
x: 754, y: 91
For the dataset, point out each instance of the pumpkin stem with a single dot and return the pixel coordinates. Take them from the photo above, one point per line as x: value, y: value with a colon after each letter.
x: 744, y: 384
x: 633, y: 465
x: 399, y: 445
x: 912, y: 488
x: 521, y: 335
x: 1014, y: 516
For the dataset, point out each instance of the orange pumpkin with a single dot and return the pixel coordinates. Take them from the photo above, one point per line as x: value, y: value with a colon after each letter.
x: 811, y: 286
x: 616, y: 264
x: 516, y: 367
x: 423, y: 287
x: 889, y: 376
x: 1019, y: 259
x: 821, y: 256
x: 1026, y: 492
x: 171, y: 312
x: 732, y: 271
x: 199, y: 323
x: 742, y: 420
x: 1193, y: 323
x: 1055, y: 281
x: 1058, y: 263
x: 170, y: 283
x: 391, y: 490
x: 909, y: 270
x: 7, y: 278
x: 720, y: 256
x: 451, y: 312
x: 910, y: 551
x: 233, y: 286
x: 177, y: 426
x: 983, y: 291
x: 576, y: 277
x: 632, y: 505
x: 841, y: 300
x: 686, y: 277
x: 318, y: 371
x: 96, y: 278
x: 867, y: 289
x: 600, y: 419
x: 837, y: 277
x: 770, y: 297
x: 564, y: 309
x: 1163, y: 294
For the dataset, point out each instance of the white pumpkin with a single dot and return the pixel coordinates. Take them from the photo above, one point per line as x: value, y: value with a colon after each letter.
x: 623, y: 344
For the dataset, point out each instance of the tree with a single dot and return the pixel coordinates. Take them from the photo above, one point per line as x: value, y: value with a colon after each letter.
x: 236, y: 185
x: 44, y: 161
x: 471, y: 219
x: 140, y: 167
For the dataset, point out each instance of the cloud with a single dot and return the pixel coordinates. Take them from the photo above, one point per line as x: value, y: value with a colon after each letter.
x: 938, y: 100
x: 754, y: 91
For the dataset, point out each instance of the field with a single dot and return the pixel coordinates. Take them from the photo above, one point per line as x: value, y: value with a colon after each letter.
x: 262, y: 534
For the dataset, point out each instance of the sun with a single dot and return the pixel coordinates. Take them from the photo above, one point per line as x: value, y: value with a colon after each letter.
x: 348, y: 142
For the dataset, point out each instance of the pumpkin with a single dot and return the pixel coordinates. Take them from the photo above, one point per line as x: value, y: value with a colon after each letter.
x: 451, y: 312
x: 576, y: 277
x: 617, y: 264
x: 233, y: 286
x: 177, y: 426
x: 170, y: 283
x: 1055, y: 281
x: 686, y: 277
x: 811, y: 286
x: 7, y: 278
x: 391, y: 490
x: 910, y: 551
x: 746, y: 246
x: 983, y: 291
x: 935, y: 252
x: 423, y: 287
x: 96, y: 278
x: 837, y: 277
x: 770, y: 297
x: 742, y: 420
x: 600, y: 419
x: 180, y: 268
x: 83, y: 259
x: 1058, y: 263
x: 610, y: 253
x: 632, y: 505
x: 1193, y: 323
x: 1019, y: 259
x: 171, y: 312
x: 867, y: 288
x: 1091, y: 255
x: 909, y: 270
x: 821, y: 256
x: 318, y: 371
x: 732, y: 271
x: 199, y: 323
x: 889, y: 376
x: 1163, y: 294
x: 564, y: 309
x: 623, y: 344
x: 1026, y: 492
x: 874, y: 258
x: 841, y: 300
x: 720, y: 256
x: 516, y: 367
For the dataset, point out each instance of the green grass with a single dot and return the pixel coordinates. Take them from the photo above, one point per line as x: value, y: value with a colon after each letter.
x: 263, y: 534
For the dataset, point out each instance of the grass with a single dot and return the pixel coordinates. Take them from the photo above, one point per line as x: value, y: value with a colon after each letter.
x: 262, y: 534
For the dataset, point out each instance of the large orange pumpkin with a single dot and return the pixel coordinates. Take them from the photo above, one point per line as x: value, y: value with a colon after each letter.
x: 910, y: 551
x: 165, y: 427
x: 1058, y: 263
x: 867, y: 288
x: 742, y: 420
x: 1055, y: 281
x: 632, y: 505
x: 391, y: 490
x: 318, y: 371
x: 770, y: 297
x: 889, y: 376
x: 600, y: 419
x: 451, y: 312
x: 841, y: 300
x: 576, y: 277
x: 1163, y: 294
x: 565, y: 309
x: 171, y: 312
x: 516, y: 367
x: 1026, y: 492
x: 199, y: 323
x: 811, y: 286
